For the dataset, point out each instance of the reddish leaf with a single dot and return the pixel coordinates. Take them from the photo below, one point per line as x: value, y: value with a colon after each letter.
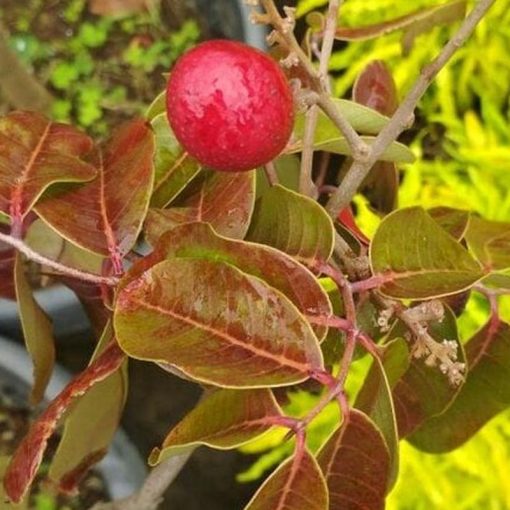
x: 34, y: 153
x: 90, y: 424
x: 106, y: 215
x: 424, y: 391
x: 356, y: 464
x: 198, y: 240
x: 225, y: 200
x: 418, y: 22
x: 297, y: 484
x: 27, y: 458
x: 216, y: 324
x: 454, y: 221
x: 376, y: 88
x: 346, y: 218
x: 225, y: 419
x: 485, y: 393
x: 37, y: 332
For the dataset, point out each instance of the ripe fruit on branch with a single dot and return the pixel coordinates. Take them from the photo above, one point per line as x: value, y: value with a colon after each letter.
x: 229, y: 105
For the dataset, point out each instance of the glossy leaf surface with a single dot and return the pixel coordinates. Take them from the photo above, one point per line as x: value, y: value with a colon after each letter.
x: 105, y: 216
x: 199, y: 241
x: 485, y: 393
x: 215, y: 324
x: 37, y: 333
x: 174, y: 168
x: 294, y: 224
x: 225, y: 200
x: 225, y: 419
x: 297, y: 484
x: 419, y: 259
x: 356, y: 464
x: 35, y: 153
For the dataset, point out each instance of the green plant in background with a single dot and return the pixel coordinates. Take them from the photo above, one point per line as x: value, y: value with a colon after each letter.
x: 102, y: 68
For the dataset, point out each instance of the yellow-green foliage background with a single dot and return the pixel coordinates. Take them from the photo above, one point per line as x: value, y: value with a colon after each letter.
x: 465, y: 119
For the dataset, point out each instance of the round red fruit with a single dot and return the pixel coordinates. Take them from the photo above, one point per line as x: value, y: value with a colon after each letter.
x: 230, y: 106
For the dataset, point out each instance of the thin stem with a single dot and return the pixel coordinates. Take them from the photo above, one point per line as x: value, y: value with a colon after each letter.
x: 271, y: 175
x: 306, y: 184
x: 20, y: 245
x: 404, y: 114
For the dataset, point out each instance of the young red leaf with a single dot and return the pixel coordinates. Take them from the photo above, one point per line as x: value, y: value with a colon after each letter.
x: 35, y: 153
x: 28, y: 457
x: 294, y: 224
x: 225, y: 419
x: 105, y: 216
x: 376, y: 89
x: 485, y: 393
x: 225, y: 200
x: 90, y: 424
x: 37, y: 332
x: 297, y: 484
x: 424, y: 391
x: 347, y: 219
x: 199, y: 241
x: 418, y: 259
x: 215, y: 324
x: 356, y: 464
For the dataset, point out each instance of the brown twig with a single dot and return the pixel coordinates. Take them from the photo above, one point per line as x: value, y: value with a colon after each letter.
x: 23, y: 248
x: 404, y: 114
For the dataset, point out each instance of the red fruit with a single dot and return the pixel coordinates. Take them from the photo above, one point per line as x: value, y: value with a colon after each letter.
x: 229, y: 105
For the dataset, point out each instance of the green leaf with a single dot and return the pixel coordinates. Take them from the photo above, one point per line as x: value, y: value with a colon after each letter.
x: 362, y: 118
x: 199, y: 241
x: 224, y: 420
x: 157, y: 106
x: 294, y: 224
x: 90, y: 424
x: 37, y: 332
x: 490, y: 243
x: 424, y: 391
x: 454, y: 221
x: 174, y: 168
x: 105, y: 216
x: 297, y: 484
x: 215, y: 324
x: 418, y: 259
x: 225, y: 200
x: 485, y: 393
x: 396, y: 152
x: 35, y: 153
x: 356, y: 464
x: 376, y: 401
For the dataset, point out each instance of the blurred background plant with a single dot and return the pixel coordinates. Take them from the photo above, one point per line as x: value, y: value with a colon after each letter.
x: 462, y: 143
x: 100, y: 69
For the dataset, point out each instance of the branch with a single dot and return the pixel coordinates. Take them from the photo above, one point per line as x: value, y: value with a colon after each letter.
x: 20, y: 245
x: 404, y: 114
x: 150, y: 495
x: 306, y: 184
